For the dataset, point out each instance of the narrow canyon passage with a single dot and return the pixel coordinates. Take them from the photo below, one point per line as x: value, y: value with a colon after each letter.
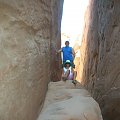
x: 30, y: 33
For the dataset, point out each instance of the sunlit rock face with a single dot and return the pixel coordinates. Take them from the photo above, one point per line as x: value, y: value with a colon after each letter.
x: 26, y: 36
x: 64, y: 101
x: 100, y: 55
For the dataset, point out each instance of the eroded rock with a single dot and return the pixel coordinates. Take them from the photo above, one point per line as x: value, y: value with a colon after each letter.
x: 100, y: 55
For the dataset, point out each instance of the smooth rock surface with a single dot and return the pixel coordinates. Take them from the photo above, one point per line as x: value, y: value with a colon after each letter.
x: 64, y: 101
x: 25, y: 43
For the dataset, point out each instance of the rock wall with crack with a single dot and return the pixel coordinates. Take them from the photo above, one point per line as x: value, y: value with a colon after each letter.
x: 26, y: 37
x: 100, y: 55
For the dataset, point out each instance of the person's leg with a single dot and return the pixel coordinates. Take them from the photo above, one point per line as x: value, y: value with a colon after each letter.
x: 74, y: 78
x: 75, y: 75
x: 67, y: 73
x: 65, y: 76
x: 73, y: 65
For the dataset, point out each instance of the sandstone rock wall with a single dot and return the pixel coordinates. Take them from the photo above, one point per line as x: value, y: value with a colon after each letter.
x: 100, y: 55
x: 25, y: 44
x: 57, y: 6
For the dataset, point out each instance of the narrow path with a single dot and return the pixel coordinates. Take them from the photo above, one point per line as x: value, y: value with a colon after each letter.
x: 64, y: 101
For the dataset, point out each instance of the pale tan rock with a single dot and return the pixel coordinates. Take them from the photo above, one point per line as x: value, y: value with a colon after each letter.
x: 25, y: 40
x: 64, y: 101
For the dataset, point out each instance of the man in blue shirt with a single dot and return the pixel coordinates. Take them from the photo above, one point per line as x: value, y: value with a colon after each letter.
x: 68, y: 53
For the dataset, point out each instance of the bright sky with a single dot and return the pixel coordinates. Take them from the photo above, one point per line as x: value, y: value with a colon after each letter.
x: 73, y: 17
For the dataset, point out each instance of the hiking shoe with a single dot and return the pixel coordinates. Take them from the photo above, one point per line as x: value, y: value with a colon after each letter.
x: 74, y: 82
x: 64, y: 79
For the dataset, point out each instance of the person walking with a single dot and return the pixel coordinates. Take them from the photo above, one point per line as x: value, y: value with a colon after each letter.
x: 68, y: 53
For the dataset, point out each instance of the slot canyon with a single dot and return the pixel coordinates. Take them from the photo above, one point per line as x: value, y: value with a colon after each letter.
x: 30, y: 33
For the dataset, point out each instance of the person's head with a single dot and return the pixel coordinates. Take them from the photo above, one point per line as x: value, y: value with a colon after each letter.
x: 67, y: 43
x: 67, y: 63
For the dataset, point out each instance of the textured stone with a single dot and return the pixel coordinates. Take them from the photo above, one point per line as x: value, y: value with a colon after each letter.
x: 56, y: 39
x: 64, y: 101
x: 25, y: 44
x: 100, y: 55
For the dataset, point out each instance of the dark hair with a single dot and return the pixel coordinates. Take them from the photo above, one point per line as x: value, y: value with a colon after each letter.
x: 66, y: 41
x: 67, y: 63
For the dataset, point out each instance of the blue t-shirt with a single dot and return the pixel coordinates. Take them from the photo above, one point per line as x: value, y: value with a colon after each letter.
x: 67, y: 53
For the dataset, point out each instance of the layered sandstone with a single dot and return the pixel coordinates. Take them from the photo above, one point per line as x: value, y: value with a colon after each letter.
x: 100, y: 55
x: 26, y: 36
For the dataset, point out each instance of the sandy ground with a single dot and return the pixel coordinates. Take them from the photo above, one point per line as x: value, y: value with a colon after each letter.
x: 64, y: 101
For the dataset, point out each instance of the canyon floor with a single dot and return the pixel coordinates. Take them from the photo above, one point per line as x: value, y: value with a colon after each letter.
x: 64, y: 101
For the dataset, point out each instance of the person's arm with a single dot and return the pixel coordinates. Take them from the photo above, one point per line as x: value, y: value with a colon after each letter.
x: 60, y: 50
x: 73, y: 52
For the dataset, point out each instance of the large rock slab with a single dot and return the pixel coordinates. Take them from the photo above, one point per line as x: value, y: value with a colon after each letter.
x: 25, y: 45
x: 100, y: 55
x: 64, y: 101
